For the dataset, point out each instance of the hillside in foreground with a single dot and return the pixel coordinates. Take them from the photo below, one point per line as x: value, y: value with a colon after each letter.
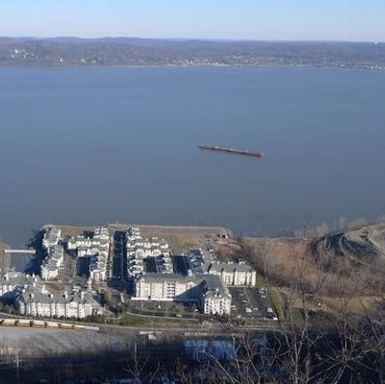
x: 342, y: 269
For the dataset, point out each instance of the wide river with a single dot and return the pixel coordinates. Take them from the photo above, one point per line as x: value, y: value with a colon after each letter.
x: 102, y: 145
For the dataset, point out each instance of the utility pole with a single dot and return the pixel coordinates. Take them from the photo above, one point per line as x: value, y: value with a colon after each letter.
x: 17, y: 362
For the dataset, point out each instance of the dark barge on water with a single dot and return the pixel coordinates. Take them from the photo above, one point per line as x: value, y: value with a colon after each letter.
x: 231, y: 150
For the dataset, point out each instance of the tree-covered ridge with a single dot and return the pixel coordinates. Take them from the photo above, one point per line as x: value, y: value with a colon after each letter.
x: 153, y: 52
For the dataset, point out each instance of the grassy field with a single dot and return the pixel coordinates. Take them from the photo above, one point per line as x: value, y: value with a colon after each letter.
x: 132, y: 320
x: 276, y: 302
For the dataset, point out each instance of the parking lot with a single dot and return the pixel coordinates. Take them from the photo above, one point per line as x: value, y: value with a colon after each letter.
x: 180, y: 264
x: 251, y: 303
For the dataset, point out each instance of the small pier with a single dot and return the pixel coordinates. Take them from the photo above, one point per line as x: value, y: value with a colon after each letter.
x: 25, y: 251
x: 231, y: 150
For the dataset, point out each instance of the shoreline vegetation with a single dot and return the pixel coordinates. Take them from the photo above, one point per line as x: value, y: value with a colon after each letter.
x: 134, y: 52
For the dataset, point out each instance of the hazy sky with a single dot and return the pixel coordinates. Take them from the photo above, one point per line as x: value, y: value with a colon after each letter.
x: 353, y: 20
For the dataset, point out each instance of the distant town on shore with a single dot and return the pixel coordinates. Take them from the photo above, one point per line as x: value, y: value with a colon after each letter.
x: 122, y: 51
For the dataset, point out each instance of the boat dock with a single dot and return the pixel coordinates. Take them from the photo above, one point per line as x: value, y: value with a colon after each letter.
x: 231, y: 150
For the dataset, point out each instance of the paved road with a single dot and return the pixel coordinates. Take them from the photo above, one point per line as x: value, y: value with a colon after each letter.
x: 119, y: 257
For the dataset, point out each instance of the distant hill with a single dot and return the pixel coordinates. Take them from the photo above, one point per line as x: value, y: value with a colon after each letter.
x: 123, y: 51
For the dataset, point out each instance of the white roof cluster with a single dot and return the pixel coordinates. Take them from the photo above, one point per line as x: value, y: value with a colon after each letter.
x: 97, y: 247
x: 139, y: 249
x: 53, y: 261
x: 51, y: 237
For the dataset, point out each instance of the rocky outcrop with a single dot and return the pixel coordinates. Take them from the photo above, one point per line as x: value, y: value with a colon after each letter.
x: 363, y: 245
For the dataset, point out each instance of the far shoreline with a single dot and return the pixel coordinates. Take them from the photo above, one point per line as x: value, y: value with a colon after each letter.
x: 203, y: 66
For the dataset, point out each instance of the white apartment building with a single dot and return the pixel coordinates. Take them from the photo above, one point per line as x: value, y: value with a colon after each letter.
x: 34, y: 302
x: 237, y: 274
x: 49, y: 269
x: 51, y: 237
x: 142, y: 248
x: 164, y: 286
x: 139, y: 249
x: 75, y: 242
x: 11, y: 282
x: 208, y: 291
x: 215, y: 297
x: 97, y: 248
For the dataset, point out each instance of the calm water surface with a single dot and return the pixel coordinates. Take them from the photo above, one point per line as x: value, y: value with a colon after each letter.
x: 100, y: 145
